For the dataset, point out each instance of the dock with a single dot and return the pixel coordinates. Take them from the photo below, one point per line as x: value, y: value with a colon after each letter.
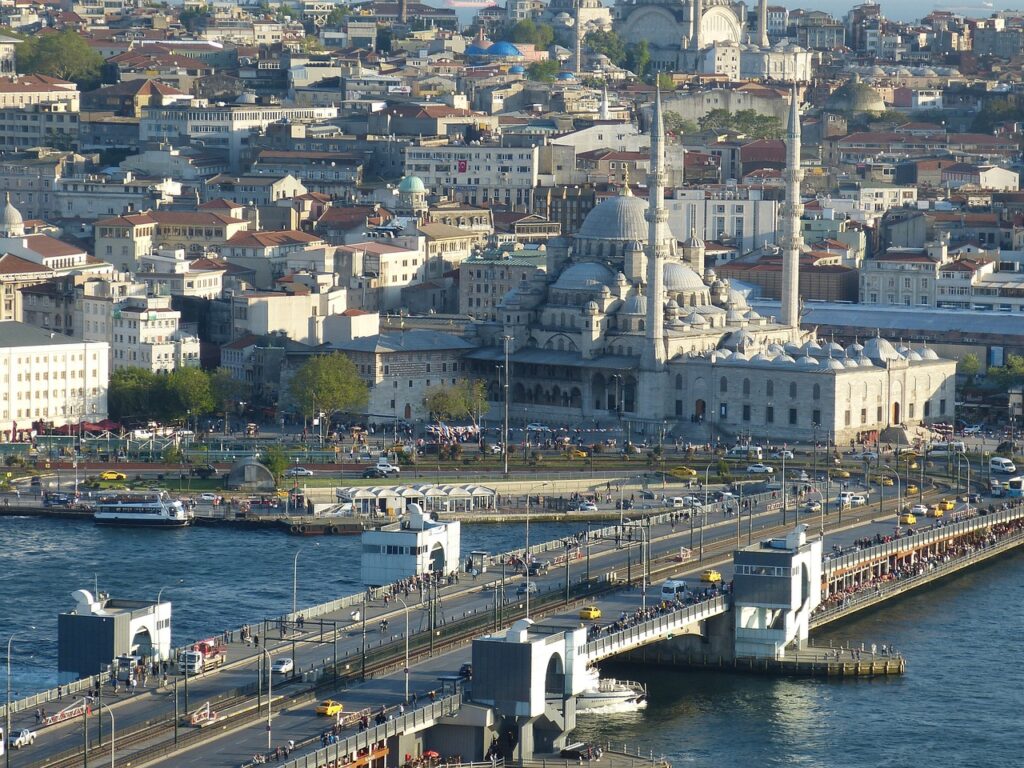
x: 807, y: 662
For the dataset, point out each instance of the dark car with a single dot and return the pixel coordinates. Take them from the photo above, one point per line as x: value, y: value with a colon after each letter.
x: 539, y: 568
x: 374, y: 472
x: 466, y: 671
x: 205, y: 471
x: 36, y: 480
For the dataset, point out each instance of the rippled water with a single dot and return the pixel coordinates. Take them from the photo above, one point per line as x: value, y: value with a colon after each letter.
x: 959, y: 704
x: 217, y: 578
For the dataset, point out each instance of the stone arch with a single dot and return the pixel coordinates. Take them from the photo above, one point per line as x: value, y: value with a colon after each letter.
x: 518, y: 393
x: 603, y: 400
x: 719, y: 24
x: 554, y: 675
x: 437, y: 558
x: 576, y: 398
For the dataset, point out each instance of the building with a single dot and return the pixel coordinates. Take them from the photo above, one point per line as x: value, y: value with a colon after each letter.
x: 125, y: 240
x: 400, y: 550
x: 260, y: 190
x: 146, y: 333
x: 39, y: 125
x: 477, y: 174
x: 486, y: 276
x: 49, y: 379
x: 31, y: 177
x: 95, y: 196
x: 20, y: 91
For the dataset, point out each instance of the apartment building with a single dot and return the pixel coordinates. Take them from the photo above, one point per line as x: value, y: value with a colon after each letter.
x: 477, y: 174
x: 146, y: 333
x: 124, y: 240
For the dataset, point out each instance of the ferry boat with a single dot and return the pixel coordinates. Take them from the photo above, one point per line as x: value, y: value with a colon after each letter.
x: 610, y: 695
x: 149, y: 510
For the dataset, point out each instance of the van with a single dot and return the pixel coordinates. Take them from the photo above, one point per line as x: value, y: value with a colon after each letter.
x: 750, y: 452
x: 851, y: 499
x: 946, y: 448
x: 673, y: 588
x: 999, y: 464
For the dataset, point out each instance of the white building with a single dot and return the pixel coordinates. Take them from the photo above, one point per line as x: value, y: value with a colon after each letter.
x: 477, y: 174
x: 50, y: 378
x: 732, y: 215
x: 878, y: 198
x: 146, y: 334
x: 409, y: 548
x: 93, y: 197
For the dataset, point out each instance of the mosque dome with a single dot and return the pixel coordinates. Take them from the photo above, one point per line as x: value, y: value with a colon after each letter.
x: 696, y: 319
x: 879, y: 350
x: 734, y: 317
x: 737, y: 299
x: 913, y: 355
x: 811, y: 347
x: 738, y: 340
x: 739, y: 357
x: 635, y: 305
x: 783, y: 360
x: 855, y: 350
x: 503, y: 49
x: 565, y: 76
x: 584, y: 276
x: 412, y: 184
x: 855, y: 96
x: 834, y: 348
x: 679, y: 277
x: 851, y: 363
x: 517, y: 69
x: 617, y: 218
x: 13, y: 224
x: 927, y: 353
x: 807, y: 362
x: 762, y: 357
x: 831, y: 364
x: 591, y: 308
x: 792, y: 348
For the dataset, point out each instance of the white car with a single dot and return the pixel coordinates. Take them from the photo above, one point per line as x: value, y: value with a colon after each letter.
x: 207, y: 498
x: 22, y: 738
x: 588, y: 506
x: 919, y: 509
x: 869, y: 455
x: 299, y: 472
x: 759, y: 469
x: 782, y: 455
x: 812, y: 506
x: 282, y: 666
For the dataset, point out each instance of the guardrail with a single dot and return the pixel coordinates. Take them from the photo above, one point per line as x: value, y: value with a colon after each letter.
x: 341, y: 752
x: 914, y: 541
x: 612, y: 644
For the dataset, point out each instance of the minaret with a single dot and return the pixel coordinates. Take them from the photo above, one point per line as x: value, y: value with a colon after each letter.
x: 762, y: 23
x: 791, y: 211
x: 697, y: 9
x: 606, y: 109
x: 577, y: 59
x: 657, y: 217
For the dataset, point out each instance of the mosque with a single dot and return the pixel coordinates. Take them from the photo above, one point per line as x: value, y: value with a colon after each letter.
x: 627, y: 325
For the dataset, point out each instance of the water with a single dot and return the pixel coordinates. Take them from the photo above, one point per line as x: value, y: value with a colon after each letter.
x: 216, y: 578
x: 959, y: 703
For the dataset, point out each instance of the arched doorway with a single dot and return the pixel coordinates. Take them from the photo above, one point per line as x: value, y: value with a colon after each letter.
x: 408, y: 411
x: 437, y: 559
x: 142, y: 643
x: 896, y: 413
x: 554, y: 677
x: 699, y: 409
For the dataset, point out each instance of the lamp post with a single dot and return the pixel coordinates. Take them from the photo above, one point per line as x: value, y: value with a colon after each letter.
x: 526, y: 552
x: 960, y: 459
x: 707, y: 475
x: 504, y: 440
x: 270, y: 692
x: 295, y: 578
x: 7, y: 710
x: 405, y: 608
x: 899, y: 492
x: 643, y: 570
x: 101, y: 706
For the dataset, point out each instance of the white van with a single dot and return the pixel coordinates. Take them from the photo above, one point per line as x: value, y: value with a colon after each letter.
x: 947, y: 448
x: 851, y: 499
x: 672, y: 588
x: 751, y: 452
x: 999, y: 464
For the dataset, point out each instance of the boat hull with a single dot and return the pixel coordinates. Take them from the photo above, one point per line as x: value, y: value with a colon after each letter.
x: 134, y: 522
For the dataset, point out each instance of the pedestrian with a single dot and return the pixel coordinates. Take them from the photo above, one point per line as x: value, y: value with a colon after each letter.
x: 39, y: 715
x: 413, y: 699
x: 60, y: 693
x: 256, y: 640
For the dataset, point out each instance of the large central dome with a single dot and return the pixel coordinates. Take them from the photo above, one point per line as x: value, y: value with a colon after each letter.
x: 617, y: 218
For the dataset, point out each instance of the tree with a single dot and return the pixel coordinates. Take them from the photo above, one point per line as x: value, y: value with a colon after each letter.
x: 467, y: 399
x: 543, y: 71
x: 337, y: 16
x: 1009, y: 374
x: 674, y: 123
x: 130, y: 392
x: 63, y: 54
x: 969, y: 366
x: 526, y: 31
x: 275, y: 459
x: 638, y: 58
x: 608, y: 43
x: 186, y: 390
x: 665, y: 82
x: 993, y: 113
x: 385, y: 37
x: 745, y: 121
x: 328, y: 383
x: 226, y: 389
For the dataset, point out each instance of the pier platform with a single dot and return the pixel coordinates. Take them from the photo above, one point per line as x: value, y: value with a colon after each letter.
x: 807, y: 662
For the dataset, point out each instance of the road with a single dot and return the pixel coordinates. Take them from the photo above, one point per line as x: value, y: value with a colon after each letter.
x: 467, y: 598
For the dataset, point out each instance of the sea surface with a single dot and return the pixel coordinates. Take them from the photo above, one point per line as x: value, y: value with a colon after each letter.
x: 216, y: 578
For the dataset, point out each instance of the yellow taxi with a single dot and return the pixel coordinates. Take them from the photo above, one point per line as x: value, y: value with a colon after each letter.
x: 682, y: 472
x: 112, y: 475
x: 908, y: 518
x: 907, y: 453
x: 886, y: 481
x: 840, y: 473
x: 936, y: 510
x: 576, y: 453
x: 711, y: 576
x: 947, y: 504
x: 329, y: 707
x: 590, y: 612
x: 912, y: 489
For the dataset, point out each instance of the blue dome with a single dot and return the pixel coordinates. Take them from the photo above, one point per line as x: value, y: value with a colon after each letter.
x: 566, y: 76
x: 504, y: 48
x: 517, y: 69
x: 475, y: 50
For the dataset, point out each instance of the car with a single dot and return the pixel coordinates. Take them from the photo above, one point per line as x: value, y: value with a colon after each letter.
x: 947, y: 505
x: 205, y: 471
x: 526, y: 588
x: 782, y: 454
x: 919, y: 509
x: 539, y: 567
x: 973, y: 430
x: 22, y: 738
x: 587, y: 506
x: 590, y: 612
x: 282, y: 666
x: 495, y: 448
x: 759, y: 469
x: 374, y: 472
x: 298, y: 472
x: 711, y: 576
x: 113, y: 475
x: 841, y: 473
x: 682, y: 472
x: 907, y: 453
x: 911, y: 489
x: 908, y: 518
x: 885, y: 480
x: 207, y: 498
x: 935, y: 511
x: 973, y: 498
x: 387, y: 468
x: 36, y: 480
x: 868, y: 455
x: 690, y: 502
x: 466, y: 671
x: 812, y: 506
x: 330, y: 707
x: 537, y: 427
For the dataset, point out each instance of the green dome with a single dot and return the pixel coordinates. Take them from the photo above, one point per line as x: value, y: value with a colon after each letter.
x: 412, y: 184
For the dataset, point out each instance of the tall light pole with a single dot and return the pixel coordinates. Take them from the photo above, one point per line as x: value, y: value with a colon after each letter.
x: 960, y: 459
x: 526, y: 552
x: 406, y: 609
x: 643, y: 569
x: 899, y: 493
x: 270, y: 692
x: 101, y: 706
x: 504, y: 440
x: 295, y: 578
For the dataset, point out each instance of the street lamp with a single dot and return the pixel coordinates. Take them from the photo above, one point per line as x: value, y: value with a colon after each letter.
x: 526, y: 553
x: 295, y: 578
x: 405, y: 608
x: 960, y: 459
x: 101, y: 706
x: 270, y: 692
x: 7, y: 710
x: 643, y: 569
x: 504, y: 440
x: 899, y: 492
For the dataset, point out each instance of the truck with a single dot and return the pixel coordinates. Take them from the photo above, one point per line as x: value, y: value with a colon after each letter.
x: 202, y: 656
x: 22, y: 738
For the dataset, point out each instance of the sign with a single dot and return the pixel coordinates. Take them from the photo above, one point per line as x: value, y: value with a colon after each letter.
x: 80, y: 707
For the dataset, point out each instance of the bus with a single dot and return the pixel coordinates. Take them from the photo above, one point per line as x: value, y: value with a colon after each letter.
x: 1014, y: 487
x: 946, y: 448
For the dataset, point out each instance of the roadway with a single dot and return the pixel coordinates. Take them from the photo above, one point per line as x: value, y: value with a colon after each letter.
x: 465, y: 598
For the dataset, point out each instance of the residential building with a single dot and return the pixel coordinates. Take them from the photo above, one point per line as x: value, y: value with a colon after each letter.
x: 31, y: 177
x: 477, y: 174
x: 146, y: 333
x: 486, y: 276
x: 38, y: 125
x: 20, y: 91
x: 94, y: 196
x: 124, y: 240
x: 257, y: 189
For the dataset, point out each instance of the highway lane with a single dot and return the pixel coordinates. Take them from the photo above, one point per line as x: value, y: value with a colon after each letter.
x: 467, y: 596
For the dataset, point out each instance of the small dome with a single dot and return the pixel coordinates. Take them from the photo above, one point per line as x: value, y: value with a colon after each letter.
x: 584, y: 276
x: 620, y: 279
x: 738, y: 340
x: 671, y: 304
x: 693, y: 241
x: 927, y: 353
x: 12, y: 224
x: 762, y: 357
x: 503, y: 49
x: 566, y: 76
x: 635, y: 305
x: 783, y: 360
x: 517, y: 69
x: 792, y: 348
x: 831, y: 364
x: 855, y: 350
x: 851, y: 363
x: 617, y: 218
x: 679, y: 277
x: 739, y: 357
x: 879, y: 350
x: 913, y: 356
x: 735, y: 317
x: 412, y: 184
x: 775, y: 349
x: 854, y: 96
x: 811, y: 347
x: 696, y: 319
x: 807, y: 362
x: 591, y: 308
x: 753, y: 315
x: 724, y: 354
x: 737, y: 299
x: 835, y: 349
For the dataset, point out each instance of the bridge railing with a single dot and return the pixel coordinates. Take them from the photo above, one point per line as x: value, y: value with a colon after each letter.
x: 342, y: 751
x: 659, y: 624
x: 902, y: 544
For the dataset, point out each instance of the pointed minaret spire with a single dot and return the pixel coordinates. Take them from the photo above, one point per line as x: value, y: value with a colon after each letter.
x: 791, y: 212
x: 762, y: 23
x: 657, y: 217
x: 606, y: 108
x: 577, y: 59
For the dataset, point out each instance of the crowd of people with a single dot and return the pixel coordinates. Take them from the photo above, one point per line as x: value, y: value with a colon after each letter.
x: 662, y: 608
x: 964, y: 546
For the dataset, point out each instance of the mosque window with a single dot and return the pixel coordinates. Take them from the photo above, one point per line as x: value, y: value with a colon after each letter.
x: 679, y: 381
x: 792, y: 391
x: 723, y: 385
x: 792, y: 415
x: 746, y: 388
x: 770, y: 389
x: 817, y: 392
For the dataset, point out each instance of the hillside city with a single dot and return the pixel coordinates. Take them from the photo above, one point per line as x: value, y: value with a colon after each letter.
x: 219, y: 215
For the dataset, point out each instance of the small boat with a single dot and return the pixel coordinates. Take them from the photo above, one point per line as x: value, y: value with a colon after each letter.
x: 147, y: 510
x: 608, y: 694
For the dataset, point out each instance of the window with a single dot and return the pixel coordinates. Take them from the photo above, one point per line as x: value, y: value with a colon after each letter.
x: 878, y: 414
x: 816, y: 392
x: 723, y: 385
x: 792, y: 415
x: 770, y: 389
x: 746, y: 388
x: 746, y: 413
x: 769, y: 415
x: 847, y: 417
x: 863, y: 415
x: 792, y: 391
x: 942, y: 407
x: 816, y: 416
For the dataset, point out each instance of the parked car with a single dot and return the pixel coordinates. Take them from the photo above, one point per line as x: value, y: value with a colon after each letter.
x: 587, y: 506
x: 298, y: 472
x: 205, y: 471
x: 282, y: 666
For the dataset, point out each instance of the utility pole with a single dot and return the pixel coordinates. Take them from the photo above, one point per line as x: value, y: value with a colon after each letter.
x: 362, y: 673
x: 504, y: 440
x: 85, y: 738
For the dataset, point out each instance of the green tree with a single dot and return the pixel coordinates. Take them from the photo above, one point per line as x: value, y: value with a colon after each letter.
x: 226, y: 390
x: 1009, y: 374
x: 130, y: 393
x: 969, y: 366
x: 385, y: 37
x: 64, y: 54
x: 638, y: 58
x: 192, y: 19
x: 337, y: 16
x: 328, y: 383
x: 186, y: 390
x: 275, y: 459
x: 173, y: 455
x: 609, y: 43
x: 674, y: 123
x: 995, y: 112
x: 543, y: 71
x: 467, y: 399
x: 526, y: 31
x: 745, y: 121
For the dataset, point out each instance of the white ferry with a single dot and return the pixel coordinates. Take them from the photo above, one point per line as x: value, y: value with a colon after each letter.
x: 150, y: 510
x: 609, y: 695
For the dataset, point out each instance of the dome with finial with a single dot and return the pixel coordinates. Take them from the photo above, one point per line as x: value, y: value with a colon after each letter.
x: 13, y: 224
x: 412, y: 184
x: 618, y: 218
